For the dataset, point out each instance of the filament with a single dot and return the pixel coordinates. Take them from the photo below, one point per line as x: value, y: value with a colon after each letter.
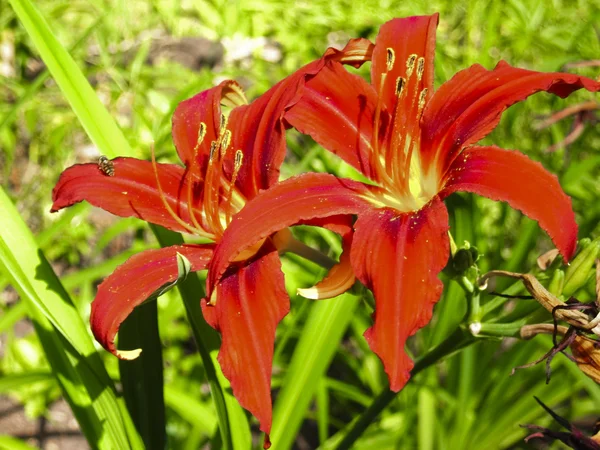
x: 239, y: 157
x: 172, y: 213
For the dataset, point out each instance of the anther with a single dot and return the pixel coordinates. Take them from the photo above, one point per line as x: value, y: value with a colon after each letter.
x: 201, y: 132
x: 420, y: 68
x: 223, y: 124
x: 400, y: 82
x: 410, y: 64
x: 239, y: 157
x: 211, y: 154
x: 391, y: 57
x: 225, y: 142
x: 422, y: 96
x: 237, y: 165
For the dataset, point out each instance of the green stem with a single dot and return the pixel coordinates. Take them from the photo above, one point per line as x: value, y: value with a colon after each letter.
x: 465, y: 284
x: 512, y: 329
x: 307, y: 252
x: 473, y: 295
x: 456, y: 341
x: 474, y: 305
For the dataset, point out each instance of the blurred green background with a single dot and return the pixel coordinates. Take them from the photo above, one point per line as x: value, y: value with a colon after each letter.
x: 143, y: 57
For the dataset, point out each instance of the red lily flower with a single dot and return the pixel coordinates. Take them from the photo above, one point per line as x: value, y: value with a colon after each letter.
x: 228, y: 160
x: 417, y: 146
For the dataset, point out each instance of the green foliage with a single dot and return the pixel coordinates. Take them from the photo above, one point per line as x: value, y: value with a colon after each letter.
x: 114, y: 92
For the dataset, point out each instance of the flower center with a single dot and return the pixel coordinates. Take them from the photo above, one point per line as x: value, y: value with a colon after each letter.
x: 221, y: 199
x: 395, y: 146
x: 209, y: 214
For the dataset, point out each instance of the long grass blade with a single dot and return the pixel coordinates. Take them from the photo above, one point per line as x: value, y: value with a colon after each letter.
x: 63, y: 335
x: 320, y: 339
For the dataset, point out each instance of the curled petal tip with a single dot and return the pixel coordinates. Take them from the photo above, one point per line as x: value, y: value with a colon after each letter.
x: 336, y: 283
x: 311, y: 293
x: 267, y: 442
x: 212, y: 301
x: 144, y: 276
x: 398, y: 382
x: 128, y: 355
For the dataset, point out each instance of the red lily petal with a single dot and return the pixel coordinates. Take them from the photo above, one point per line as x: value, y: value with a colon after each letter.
x: 204, y: 107
x: 250, y: 304
x: 340, y: 277
x: 512, y: 177
x: 135, y: 281
x: 398, y: 257
x: 337, y: 110
x: 341, y: 225
x: 131, y: 192
x: 258, y: 129
x: 292, y: 201
x: 469, y: 106
x: 405, y: 37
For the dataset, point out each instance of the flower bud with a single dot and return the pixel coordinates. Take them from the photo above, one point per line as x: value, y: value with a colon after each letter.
x: 463, y: 260
x: 557, y: 282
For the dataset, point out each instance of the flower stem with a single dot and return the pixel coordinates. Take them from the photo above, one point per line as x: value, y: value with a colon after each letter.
x: 474, y: 305
x: 301, y: 249
x: 512, y: 329
x: 286, y: 242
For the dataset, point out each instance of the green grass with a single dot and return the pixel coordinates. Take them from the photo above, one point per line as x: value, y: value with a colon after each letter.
x: 324, y: 374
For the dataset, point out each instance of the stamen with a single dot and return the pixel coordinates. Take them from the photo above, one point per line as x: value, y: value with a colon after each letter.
x: 211, y: 153
x: 190, y: 193
x: 422, y: 96
x: 414, y: 129
x: 409, y: 135
x: 226, y: 140
x: 400, y: 83
x: 376, y: 164
x: 239, y: 157
x: 161, y: 193
x: 420, y: 68
x: 410, y: 64
x: 391, y: 154
x: 201, y: 134
x: 210, y: 186
x: 391, y: 58
x: 223, y: 124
